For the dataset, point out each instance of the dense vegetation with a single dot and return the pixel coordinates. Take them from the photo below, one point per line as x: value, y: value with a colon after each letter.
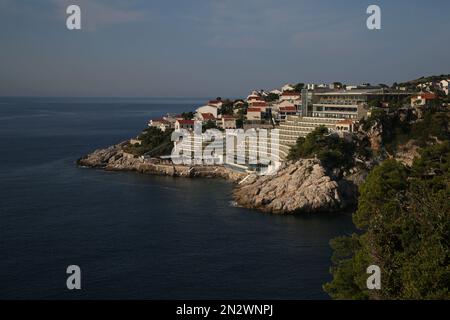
x: 154, y: 142
x: 400, y: 127
x: 331, y: 150
x: 404, y: 218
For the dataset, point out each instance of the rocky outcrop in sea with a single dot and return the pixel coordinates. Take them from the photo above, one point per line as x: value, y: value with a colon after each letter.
x: 302, y: 186
x: 115, y: 158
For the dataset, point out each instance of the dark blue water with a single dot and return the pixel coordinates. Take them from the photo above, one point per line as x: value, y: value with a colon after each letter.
x: 136, y: 236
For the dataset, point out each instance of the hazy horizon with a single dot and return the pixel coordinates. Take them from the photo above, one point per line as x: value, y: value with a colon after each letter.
x: 177, y: 49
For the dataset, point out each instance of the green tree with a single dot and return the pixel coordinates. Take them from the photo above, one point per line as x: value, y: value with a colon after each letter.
x: 404, y: 220
x: 188, y: 115
x: 333, y: 151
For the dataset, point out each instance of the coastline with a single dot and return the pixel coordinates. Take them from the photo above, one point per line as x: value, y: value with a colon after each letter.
x: 298, y: 187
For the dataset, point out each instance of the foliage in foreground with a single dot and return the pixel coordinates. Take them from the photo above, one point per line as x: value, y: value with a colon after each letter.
x: 404, y: 218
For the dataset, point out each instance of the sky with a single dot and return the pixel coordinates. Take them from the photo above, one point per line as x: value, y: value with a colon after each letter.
x: 209, y: 48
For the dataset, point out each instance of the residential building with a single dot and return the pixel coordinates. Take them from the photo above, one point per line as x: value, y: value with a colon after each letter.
x: 259, y: 104
x: 216, y: 103
x: 205, y: 117
x: 228, y: 122
x: 161, y: 124
x: 184, y: 124
x: 346, y: 125
x: 444, y: 85
x: 276, y: 91
x: 254, y: 114
x: 287, y: 87
x: 423, y: 99
x: 208, y: 109
x: 283, y: 112
x: 294, y: 97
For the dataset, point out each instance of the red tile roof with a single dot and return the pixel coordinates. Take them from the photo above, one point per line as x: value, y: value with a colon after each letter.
x: 186, y: 121
x: 291, y: 93
x: 228, y: 117
x: 208, y: 116
x: 259, y: 104
x: 288, y: 109
x: 428, y: 95
x: 254, y: 110
x: 161, y: 120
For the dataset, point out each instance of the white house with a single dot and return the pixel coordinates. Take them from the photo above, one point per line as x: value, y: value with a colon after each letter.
x: 161, y: 124
x: 205, y: 117
x: 283, y: 112
x: 276, y: 91
x: 228, y: 122
x: 258, y: 104
x: 423, y: 99
x: 216, y: 103
x: 287, y: 87
x: 346, y: 125
x: 291, y: 96
x: 282, y: 104
x: 253, y: 96
x: 208, y: 109
x: 253, y: 114
x: 444, y: 85
x: 184, y: 124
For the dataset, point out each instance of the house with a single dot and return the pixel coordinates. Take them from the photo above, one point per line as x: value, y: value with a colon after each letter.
x: 262, y: 105
x: 207, y: 109
x: 228, y: 122
x: 253, y: 97
x: 253, y: 114
x: 184, y: 124
x: 284, y: 103
x: 162, y: 124
x: 444, y: 85
x: 423, y: 99
x: 283, y: 112
x: 276, y: 91
x: 291, y: 96
x: 205, y: 117
x: 216, y: 103
x: 287, y: 87
x: 346, y: 125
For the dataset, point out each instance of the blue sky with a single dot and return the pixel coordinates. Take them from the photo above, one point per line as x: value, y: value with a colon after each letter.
x: 196, y: 48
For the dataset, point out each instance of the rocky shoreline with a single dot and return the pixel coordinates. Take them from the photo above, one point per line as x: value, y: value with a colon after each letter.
x: 300, y: 187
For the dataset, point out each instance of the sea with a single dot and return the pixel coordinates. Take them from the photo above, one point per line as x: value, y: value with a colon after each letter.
x: 137, y: 236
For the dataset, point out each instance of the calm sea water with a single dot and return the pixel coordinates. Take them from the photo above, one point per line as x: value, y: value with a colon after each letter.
x: 137, y: 236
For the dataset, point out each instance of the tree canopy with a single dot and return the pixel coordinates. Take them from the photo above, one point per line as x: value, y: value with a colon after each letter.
x: 404, y: 221
x: 333, y: 151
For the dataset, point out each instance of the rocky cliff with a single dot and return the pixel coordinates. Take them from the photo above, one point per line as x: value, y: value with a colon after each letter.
x: 115, y: 158
x: 303, y: 186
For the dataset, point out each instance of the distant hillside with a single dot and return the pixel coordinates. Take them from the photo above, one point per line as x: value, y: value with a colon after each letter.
x: 426, y: 79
